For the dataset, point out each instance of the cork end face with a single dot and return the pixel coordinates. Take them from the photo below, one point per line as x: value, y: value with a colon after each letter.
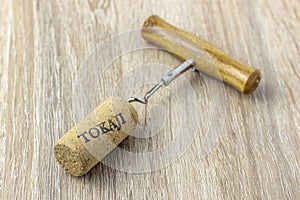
x: 252, y: 82
x: 71, y: 160
x: 133, y: 113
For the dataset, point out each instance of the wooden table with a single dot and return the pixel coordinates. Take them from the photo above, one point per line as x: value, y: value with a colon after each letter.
x: 44, y: 43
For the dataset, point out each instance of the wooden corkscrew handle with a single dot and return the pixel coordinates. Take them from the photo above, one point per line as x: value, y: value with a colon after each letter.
x: 208, y: 59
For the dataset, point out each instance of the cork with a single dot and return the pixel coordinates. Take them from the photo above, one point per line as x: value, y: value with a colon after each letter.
x: 89, y: 141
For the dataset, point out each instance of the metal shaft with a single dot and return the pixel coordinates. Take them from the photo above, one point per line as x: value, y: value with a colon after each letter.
x: 166, y: 79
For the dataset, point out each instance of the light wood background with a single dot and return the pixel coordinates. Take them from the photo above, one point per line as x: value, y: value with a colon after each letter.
x: 43, y: 44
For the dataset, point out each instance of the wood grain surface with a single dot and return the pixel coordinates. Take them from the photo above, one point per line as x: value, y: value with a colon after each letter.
x: 44, y: 43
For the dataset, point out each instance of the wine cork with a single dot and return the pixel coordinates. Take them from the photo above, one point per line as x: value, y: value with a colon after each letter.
x: 185, y: 45
x: 87, y: 143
